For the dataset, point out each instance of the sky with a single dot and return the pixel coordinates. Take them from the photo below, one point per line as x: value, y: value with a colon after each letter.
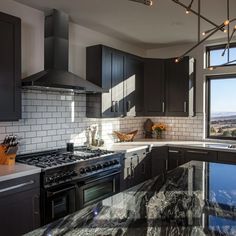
x: 223, y: 91
x: 223, y: 95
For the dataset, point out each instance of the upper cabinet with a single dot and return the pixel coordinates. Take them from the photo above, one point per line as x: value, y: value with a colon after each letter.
x: 154, y: 87
x: 10, y: 68
x: 169, y: 87
x: 138, y: 86
x: 118, y: 73
x: 180, y: 79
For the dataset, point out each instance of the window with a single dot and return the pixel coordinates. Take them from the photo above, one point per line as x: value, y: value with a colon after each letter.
x: 215, y: 58
x: 222, y: 107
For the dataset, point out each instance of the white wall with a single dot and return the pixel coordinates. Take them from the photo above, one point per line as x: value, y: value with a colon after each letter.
x: 79, y: 38
x: 201, y: 72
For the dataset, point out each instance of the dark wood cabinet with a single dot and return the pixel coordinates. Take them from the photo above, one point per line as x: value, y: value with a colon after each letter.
x: 138, y: 86
x: 227, y: 157
x: 119, y: 73
x: 10, y: 68
x: 177, y: 87
x: 200, y: 155
x: 169, y: 87
x: 137, y: 168
x: 154, y: 87
x: 159, y: 163
x: 19, y: 204
x: 133, y: 86
x: 175, y: 158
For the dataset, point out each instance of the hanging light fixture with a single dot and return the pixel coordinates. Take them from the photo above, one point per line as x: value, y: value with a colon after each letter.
x: 145, y: 2
x: 224, y: 27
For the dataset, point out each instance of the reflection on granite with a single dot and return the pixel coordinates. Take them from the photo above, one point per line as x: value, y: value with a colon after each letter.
x: 190, y: 200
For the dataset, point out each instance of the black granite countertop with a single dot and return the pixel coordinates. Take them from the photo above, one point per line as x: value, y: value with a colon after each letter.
x: 197, y: 198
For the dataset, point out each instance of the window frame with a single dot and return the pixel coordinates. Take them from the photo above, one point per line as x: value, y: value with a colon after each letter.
x: 208, y: 103
x: 216, y: 47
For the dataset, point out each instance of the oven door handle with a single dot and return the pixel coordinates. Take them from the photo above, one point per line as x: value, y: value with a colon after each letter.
x: 103, y: 177
x: 60, y: 191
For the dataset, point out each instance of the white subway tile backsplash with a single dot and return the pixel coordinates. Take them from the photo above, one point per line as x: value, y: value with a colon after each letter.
x: 47, y: 123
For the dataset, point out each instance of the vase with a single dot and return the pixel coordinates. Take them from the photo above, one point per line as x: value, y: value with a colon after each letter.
x: 158, y: 135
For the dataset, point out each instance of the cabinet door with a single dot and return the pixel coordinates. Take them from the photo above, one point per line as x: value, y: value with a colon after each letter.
x: 117, y: 84
x: 10, y: 68
x: 159, y: 160
x: 227, y: 157
x: 19, y: 204
x: 107, y: 106
x: 175, y: 158
x: 126, y: 180
x: 133, y: 86
x: 177, y: 87
x: 154, y: 87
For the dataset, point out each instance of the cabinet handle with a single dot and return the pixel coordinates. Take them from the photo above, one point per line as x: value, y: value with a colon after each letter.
x: 185, y: 106
x: 16, y: 186
x: 197, y: 152
x: 113, y: 106
x: 163, y: 107
x: 174, y: 151
x: 117, y: 107
x: 36, y: 210
x: 143, y: 169
x: 128, y: 105
x: 166, y: 164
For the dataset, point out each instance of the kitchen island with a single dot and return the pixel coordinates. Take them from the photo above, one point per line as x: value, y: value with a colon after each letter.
x: 197, y: 198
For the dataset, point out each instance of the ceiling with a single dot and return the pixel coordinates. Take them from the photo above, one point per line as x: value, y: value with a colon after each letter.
x: 165, y: 23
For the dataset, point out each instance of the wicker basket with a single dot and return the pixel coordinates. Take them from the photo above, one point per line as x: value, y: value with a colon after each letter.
x: 126, y: 137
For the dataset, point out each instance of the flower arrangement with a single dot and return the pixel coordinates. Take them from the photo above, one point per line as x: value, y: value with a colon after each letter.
x: 158, y: 129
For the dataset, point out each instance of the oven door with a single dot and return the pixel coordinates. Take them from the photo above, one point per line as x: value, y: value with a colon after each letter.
x: 60, y: 202
x: 96, y: 189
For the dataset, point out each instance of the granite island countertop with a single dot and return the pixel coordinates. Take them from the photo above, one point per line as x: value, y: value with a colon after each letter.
x: 18, y: 170
x: 197, y: 198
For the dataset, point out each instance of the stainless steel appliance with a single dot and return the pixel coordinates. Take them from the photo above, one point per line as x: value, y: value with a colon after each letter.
x: 72, y: 180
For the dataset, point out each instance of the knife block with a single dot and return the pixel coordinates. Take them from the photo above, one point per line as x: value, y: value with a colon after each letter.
x: 6, y: 159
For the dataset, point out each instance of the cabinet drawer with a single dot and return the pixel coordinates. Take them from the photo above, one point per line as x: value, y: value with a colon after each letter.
x: 200, y: 155
x: 227, y: 157
x: 19, y: 184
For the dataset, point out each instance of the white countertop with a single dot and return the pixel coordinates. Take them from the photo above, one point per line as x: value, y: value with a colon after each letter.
x: 18, y: 170
x: 144, y: 143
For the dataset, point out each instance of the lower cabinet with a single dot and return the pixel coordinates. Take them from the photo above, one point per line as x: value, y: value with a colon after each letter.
x: 200, y: 155
x: 136, y: 168
x: 159, y: 160
x: 19, y: 204
x: 227, y: 157
x: 175, y: 158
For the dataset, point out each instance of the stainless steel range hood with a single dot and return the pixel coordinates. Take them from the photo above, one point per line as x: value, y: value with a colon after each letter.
x: 56, y: 76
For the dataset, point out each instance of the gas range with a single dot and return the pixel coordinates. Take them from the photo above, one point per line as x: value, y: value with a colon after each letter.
x: 73, y: 180
x: 59, y: 166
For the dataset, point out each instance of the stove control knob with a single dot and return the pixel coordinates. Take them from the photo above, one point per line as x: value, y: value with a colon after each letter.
x: 82, y: 171
x: 99, y: 166
x: 87, y: 169
x: 93, y: 168
x: 116, y: 162
x: 106, y: 164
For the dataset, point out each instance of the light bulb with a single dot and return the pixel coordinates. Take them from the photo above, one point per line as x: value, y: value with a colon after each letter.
x: 235, y: 27
x: 203, y: 33
x: 176, y: 60
x: 225, y: 30
x: 187, y: 12
x: 211, y: 68
x: 226, y: 22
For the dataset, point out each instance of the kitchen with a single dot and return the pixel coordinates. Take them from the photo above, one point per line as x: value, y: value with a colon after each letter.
x: 56, y: 107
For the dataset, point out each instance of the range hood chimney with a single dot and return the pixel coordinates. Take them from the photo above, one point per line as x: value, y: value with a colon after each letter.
x: 55, y: 75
